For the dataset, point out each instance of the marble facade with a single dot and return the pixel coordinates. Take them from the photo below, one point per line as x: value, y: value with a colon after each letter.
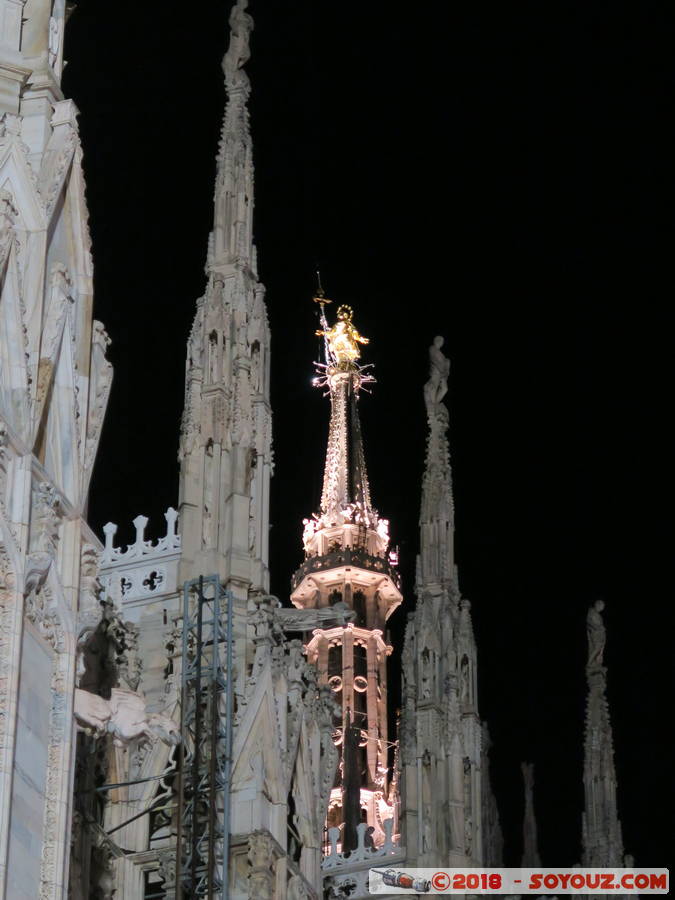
x: 54, y: 384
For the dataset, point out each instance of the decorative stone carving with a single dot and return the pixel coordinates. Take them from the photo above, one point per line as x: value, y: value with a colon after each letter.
x: 167, y: 868
x: 124, y: 716
x: 468, y: 808
x: 408, y: 733
x: 101, y: 381
x: 261, y: 858
x: 46, y: 519
x: 326, y: 711
x: 602, y: 839
x: 104, y: 855
x: 36, y: 571
x: 90, y: 586
x: 595, y: 630
x: 40, y: 607
x: 309, y: 619
x: 435, y: 561
x: 238, y: 52
x: 55, y: 28
x: 439, y: 370
x: 8, y: 214
x: 61, y: 148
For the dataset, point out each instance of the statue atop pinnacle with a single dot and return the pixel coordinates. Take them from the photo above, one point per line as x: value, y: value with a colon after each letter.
x: 343, y: 338
x: 238, y: 51
x: 437, y: 386
x: 595, y: 631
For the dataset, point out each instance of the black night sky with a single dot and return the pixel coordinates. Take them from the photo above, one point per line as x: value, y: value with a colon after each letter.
x: 498, y: 173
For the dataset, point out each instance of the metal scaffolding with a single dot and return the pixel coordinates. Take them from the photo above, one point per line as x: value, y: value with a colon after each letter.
x: 206, y: 726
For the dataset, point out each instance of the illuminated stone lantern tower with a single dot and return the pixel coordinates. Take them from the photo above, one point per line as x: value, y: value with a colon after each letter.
x: 348, y: 565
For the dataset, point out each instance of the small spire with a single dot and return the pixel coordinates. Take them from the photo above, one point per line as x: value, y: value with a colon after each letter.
x: 531, y: 858
x: 320, y: 296
x: 436, y: 557
x: 232, y: 240
x: 602, y: 839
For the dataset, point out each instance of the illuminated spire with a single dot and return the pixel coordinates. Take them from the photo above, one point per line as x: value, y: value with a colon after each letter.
x: 346, y: 494
x: 348, y: 567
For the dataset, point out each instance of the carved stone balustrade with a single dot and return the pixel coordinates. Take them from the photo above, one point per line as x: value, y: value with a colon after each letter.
x: 145, y: 569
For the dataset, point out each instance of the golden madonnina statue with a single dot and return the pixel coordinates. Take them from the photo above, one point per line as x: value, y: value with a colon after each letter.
x: 343, y: 338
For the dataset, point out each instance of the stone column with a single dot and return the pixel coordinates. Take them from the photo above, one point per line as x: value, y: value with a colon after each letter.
x: 322, y: 660
x: 347, y: 673
x: 373, y: 707
x: 382, y: 706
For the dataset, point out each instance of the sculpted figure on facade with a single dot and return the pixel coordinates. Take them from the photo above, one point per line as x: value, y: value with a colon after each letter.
x: 47, y: 516
x: 262, y: 619
x: 295, y: 670
x: 8, y: 214
x: 595, y: 631
x: 55, y: 26
x: 261, y: 860
x: 427, y: 665
x: 427, y: 837
x: 124, y: 716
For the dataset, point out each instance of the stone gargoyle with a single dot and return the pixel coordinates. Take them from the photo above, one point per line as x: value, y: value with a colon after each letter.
x: 124, y: 716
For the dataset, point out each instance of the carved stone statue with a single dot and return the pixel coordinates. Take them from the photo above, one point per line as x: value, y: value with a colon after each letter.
x: 262, y: 618
x: 343, y: 338
x: 124, y: 716
x: 261, y: 860
x: 427, y: 840
x: 595, y: 631
x: 439, y: 369
x: 426, y: 666
x: 296, y: 665
x: 238, y: 52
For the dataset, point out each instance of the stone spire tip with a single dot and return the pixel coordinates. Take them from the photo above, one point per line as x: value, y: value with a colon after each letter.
x: 239, y: 51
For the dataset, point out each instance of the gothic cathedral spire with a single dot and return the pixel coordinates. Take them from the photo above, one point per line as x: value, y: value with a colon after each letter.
x: 348, y: 567
x: 444, y: 792
x: 602, y: 840
x: 226, y: 443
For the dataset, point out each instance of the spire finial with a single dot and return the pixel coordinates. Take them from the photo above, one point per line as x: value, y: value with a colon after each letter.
x: 595, y: 631
x: 436, y: 558
x: 602, y: 840
x: 320, y: 296
x: 238, y: 51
